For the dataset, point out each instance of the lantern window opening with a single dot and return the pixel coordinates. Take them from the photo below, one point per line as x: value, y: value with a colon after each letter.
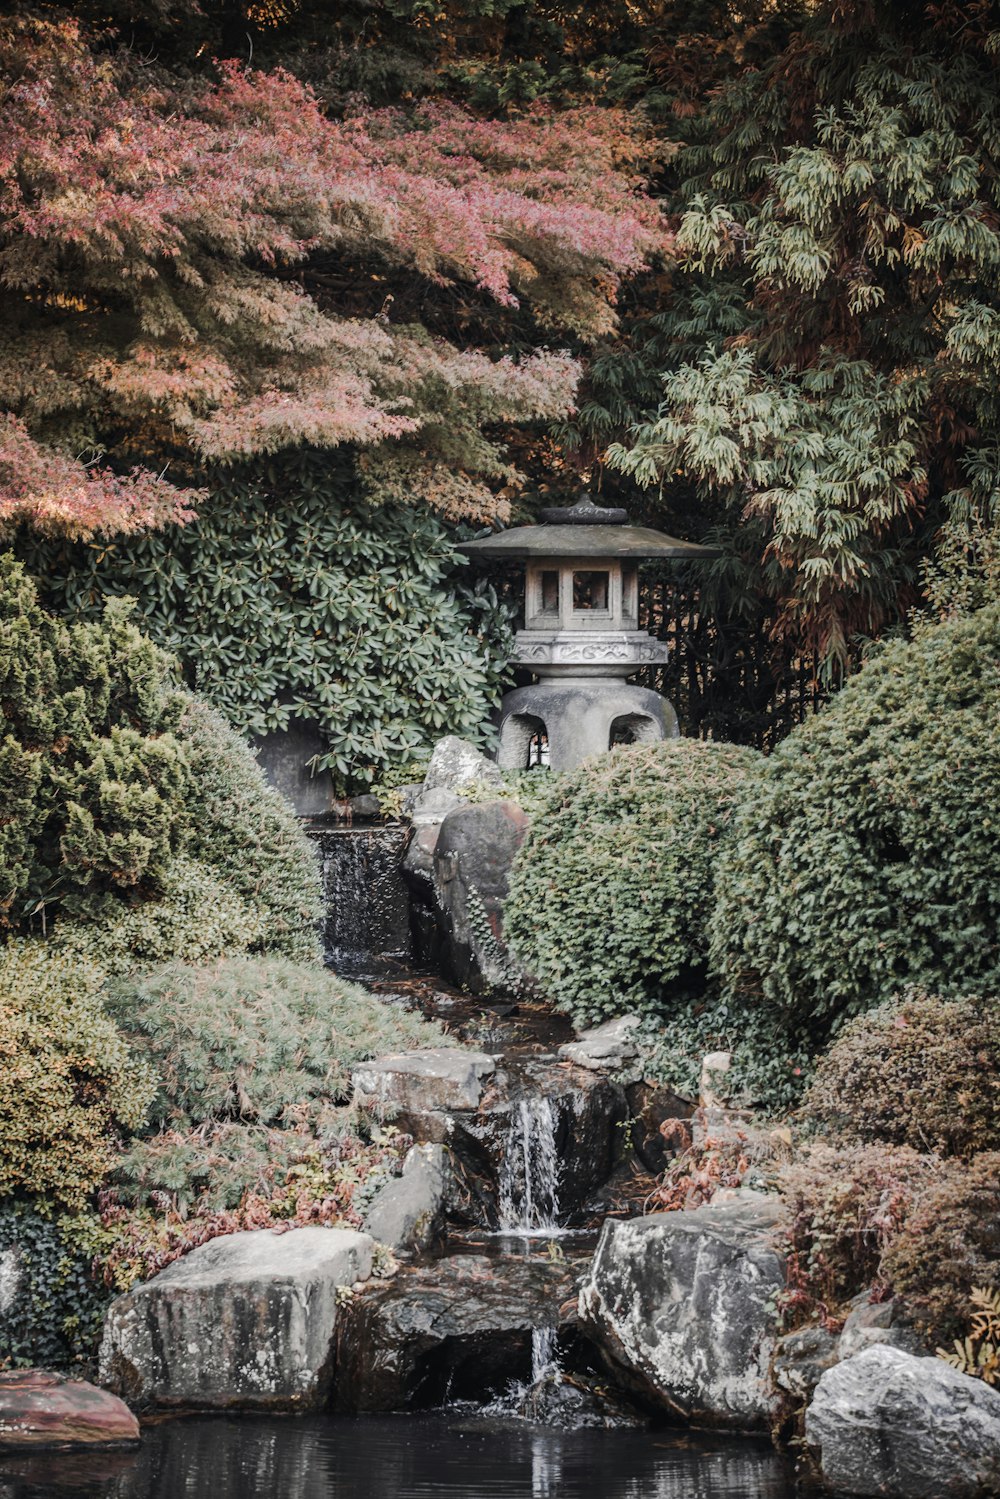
x: 592, y: 592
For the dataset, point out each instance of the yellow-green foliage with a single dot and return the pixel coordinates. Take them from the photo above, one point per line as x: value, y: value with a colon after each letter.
x: 610, y: 893
x: 69, y: 1082
x: 199, y: 916
x: 92, y: 780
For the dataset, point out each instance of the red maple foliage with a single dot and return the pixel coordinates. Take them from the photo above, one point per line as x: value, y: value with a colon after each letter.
x: 157, y: 238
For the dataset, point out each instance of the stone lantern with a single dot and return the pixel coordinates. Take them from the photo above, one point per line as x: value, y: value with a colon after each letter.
x: 581, y: 635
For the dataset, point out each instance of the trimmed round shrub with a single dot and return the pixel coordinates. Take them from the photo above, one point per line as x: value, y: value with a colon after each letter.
x: 950, y: 1244
x: 255, y: 1039
x: 922, y: 1071
x: 888, y: 1218
x: 611, y: 892
x: 248, y: 836
x: 92, y: 779
x: 69, y: 1084
x: 866, y: 854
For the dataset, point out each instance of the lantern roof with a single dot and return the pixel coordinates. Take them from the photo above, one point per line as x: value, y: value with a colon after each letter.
x: 585, y: 530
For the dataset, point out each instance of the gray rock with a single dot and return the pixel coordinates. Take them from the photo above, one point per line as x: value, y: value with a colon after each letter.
x: 10, y: 1278
x: 460, y: 1327
x: 437, y: 1079
x: 684, y: 1304
x: 285, y: 755
x: 801, y: 1358
x: 887, y: 1423
x: 869, y: 1323
x: 472, y: 861
x: 430, y: 808
x: 365, y: 807
x: 407, y: 1213
x: 244, y: 1322
x: 604, y: 1047
x: 712, y: 1093
x: 456, y: 764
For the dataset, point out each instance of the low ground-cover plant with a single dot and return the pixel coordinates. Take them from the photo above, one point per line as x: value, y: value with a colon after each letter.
x: 255, y: 1040
x: 610, y: 893
x: 69, y: 1085
x: 178, y: 1190
x: 53, y: 1318
x: 866, y: 853
x: 919, y: 1071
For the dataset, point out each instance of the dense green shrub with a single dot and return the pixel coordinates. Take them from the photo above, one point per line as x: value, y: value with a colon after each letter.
x: 68, y: 1081
x: 255, y: 1039
x: 292, y: 595
x: 55, y: 1315
x: 611, y: 891
x: 92, y: 780
x: 890, y: 1219
x: 866, y: 854
x: 199, y: 917
x: 922, y: 1071
x: 771, y: 1059
x: 248, y: 836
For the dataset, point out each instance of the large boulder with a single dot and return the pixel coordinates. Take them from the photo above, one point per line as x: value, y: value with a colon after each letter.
x: 408, y: 1213
x: 39, y: 1409
x: 460, y: 1327
x: 473, y: 855
x: 684, y: 1305
x: 244, y: 1322
x: 456, y: 765
x: 885, y: 1422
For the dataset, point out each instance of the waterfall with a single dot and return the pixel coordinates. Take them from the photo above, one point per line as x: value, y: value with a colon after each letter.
x: 529, y: 1176
x: 367, y: 902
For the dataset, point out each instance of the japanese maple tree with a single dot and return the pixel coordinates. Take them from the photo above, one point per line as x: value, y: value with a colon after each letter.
x: 214, y: 269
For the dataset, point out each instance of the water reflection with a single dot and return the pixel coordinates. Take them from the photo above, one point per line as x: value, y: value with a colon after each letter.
x: 403, y: 1457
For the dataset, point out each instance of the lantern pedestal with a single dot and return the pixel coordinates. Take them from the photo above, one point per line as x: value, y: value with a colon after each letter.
x: 580, y: 716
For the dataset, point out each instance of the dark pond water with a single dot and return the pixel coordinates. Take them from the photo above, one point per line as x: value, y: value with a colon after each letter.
x: 404, y: 1457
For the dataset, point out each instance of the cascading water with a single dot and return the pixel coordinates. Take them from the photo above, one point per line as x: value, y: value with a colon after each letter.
x: 529, y: 1178
x: 529, y: 1199
x: 367, y: 916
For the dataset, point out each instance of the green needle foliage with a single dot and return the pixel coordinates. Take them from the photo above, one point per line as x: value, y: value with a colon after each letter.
x: 255, y: 1039
x: 292, y: 596
x: 866, y: 856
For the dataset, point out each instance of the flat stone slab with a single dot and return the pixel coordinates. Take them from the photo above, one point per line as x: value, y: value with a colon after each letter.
x: 684, y: 1304
x: 887, y: 1423
x: 40, y: 1409
x: 437, y: 1079
x: 604, y: 1047
x: 245, y: 1322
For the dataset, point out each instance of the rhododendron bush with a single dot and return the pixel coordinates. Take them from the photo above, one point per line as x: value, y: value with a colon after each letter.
x: 206, y: 270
